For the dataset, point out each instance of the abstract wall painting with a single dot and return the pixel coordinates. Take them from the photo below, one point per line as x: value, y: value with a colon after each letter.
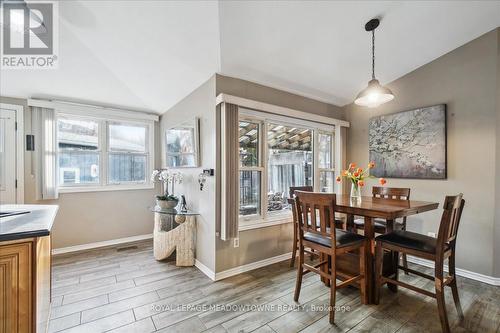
x: 409, y: 144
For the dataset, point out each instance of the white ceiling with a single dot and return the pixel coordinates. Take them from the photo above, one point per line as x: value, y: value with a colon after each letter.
x: 150, y: 54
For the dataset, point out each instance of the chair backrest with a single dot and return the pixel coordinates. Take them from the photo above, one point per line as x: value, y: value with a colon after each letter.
x: 316, y: 213
x: 391, y: 193
x: 291, y: 201
x: 450, y: 220
x: 299, y: 188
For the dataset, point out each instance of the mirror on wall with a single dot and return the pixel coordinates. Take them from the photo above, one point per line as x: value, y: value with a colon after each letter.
x: 182, y: 145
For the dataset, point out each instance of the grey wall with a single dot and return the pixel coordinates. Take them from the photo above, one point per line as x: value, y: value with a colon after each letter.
x: 92, y: 216
x: 264, y: 243
x: 497, y: 177
x: 466, y: 79
x: 200, y: 103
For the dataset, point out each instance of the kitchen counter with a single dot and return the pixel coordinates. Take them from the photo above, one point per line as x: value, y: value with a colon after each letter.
x: 38, y: 222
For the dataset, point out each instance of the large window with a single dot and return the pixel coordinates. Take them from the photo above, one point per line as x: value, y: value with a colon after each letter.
x: 250, y: 168
x: 289, y: 162
x: 103, y: 153
x: 127, y: 153
x: 276, y: 154
x: 79, y: 150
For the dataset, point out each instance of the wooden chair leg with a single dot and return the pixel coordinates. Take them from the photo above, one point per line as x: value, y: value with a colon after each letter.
x: 294, y: 247
x: 395, y: 263
x: 300, y: 272
x: 454, y: 288
x: 405, y: 259
x: 333, y: 285
x: 438, y: 281
x: 327, y: 267
x: 379, y: 260
x: 363, y: 283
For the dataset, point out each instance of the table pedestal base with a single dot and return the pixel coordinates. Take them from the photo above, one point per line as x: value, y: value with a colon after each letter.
x: 182, y: 239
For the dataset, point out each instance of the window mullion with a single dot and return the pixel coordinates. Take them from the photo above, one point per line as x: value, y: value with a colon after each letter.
x: 104, y: 155
x: 263, y: 162
x: 315, y: 172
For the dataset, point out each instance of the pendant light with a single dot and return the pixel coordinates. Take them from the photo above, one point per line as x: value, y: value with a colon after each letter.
x: 375, y: 94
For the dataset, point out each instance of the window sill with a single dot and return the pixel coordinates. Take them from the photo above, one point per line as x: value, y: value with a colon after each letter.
x: 269, y: 222
x: 78, y: 189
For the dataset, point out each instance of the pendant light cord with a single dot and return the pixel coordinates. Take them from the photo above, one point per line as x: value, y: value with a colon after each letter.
x: 373, y: 54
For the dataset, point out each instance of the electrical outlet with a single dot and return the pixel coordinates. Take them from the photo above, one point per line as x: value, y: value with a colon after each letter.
x: 236, y: 242
x: 432, y: 234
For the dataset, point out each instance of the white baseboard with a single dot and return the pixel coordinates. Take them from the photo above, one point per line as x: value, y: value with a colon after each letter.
x: 204, y: 269
x: 251, y: 266
x: 460, y: 272
x: 110, y: 242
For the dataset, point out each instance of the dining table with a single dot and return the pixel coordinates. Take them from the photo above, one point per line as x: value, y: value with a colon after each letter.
x: 371, y: 208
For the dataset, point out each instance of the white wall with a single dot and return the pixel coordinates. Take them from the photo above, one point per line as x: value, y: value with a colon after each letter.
x: 200, y: 103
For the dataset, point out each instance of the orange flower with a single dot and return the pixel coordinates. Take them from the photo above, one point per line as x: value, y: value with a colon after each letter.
x: 371, y: 165
x: 359, y: 170
x: 361, y: 183
x: 352, y: 165
x: 344, y: 173
x: 382, y: 181
x: 356, y: 174
x: 339, y: 179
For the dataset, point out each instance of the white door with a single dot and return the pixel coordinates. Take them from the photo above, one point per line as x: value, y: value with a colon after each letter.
x: 7, y: 156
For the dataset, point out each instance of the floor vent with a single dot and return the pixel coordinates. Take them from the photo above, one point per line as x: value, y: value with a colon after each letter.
x: 133, y: 247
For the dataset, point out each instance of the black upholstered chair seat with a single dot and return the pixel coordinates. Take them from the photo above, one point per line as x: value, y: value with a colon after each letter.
x: 410, y: 240
x: 343, y: 238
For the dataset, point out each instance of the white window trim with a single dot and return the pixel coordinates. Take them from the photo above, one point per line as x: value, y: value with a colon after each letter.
x: 265, y: 219
x: 103, y: 119
x: 318, y: 170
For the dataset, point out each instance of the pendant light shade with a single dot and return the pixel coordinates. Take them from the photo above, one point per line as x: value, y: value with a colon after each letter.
x: 375, y: 94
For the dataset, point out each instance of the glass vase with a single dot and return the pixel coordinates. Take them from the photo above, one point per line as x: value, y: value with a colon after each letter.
x: 355, y: 192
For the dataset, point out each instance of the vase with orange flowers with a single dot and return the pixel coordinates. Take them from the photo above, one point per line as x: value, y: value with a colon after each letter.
x: 357, y: 177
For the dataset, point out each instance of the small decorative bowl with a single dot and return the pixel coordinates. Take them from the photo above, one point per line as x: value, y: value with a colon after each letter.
x: 167, y: 204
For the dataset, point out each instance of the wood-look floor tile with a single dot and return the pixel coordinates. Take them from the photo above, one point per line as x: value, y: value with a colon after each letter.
x: 71, y: 289
x: 90, y: 303
x: 142, y: 326
x: 252, y: 320
x: 116, y: 307
x: 191, y: 325
x: 101, y: 290
x: 59, y: 324
x: 104, y: 324
x: 265, y: 329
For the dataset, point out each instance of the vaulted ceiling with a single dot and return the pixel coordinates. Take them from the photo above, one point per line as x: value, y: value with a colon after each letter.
x: 150, y: 54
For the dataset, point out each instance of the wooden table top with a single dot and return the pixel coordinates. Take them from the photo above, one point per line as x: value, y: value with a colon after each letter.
x: 389, y: 209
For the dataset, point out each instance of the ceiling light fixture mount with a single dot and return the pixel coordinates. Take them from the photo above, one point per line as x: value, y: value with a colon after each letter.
x: 375, y: 94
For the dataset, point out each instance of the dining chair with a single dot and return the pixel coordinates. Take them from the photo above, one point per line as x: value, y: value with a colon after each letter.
x: 380, y: 225
x: 430, y: 248
x: 315, y: 215
x: 338, y: 222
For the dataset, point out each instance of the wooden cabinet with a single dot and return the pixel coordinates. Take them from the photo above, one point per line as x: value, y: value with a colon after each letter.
x: 24, y: 285
x: 16, y: 313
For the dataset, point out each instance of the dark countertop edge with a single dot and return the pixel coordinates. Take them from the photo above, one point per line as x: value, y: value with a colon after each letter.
x: 22, y: 235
